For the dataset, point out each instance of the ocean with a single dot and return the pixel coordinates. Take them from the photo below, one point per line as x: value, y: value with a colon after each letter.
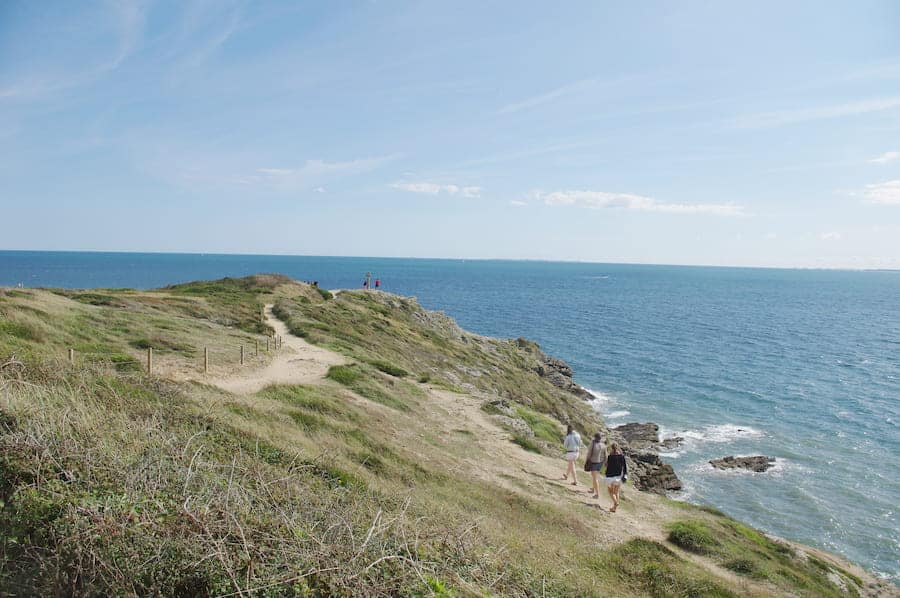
x: 801, y: 365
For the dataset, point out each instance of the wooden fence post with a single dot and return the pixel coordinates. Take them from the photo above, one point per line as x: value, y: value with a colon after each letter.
x: 256, y: 351
x: 72, y: 356
x: 205, y: 360
x: 149, y: 360
x: 242, y: 354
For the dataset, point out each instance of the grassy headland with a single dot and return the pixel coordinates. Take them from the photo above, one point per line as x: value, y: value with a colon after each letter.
x: 396, y: 474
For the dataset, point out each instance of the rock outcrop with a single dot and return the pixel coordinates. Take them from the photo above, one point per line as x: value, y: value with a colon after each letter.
x: 640, y: 442
x: 559, y: 373
x: 651, y: 474
x: 757, y: 463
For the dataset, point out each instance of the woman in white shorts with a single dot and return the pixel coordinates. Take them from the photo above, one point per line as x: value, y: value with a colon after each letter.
x: 616, y: 474
x: 572, y: 444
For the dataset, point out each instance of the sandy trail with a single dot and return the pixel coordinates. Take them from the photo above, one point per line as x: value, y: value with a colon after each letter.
x: 296, y: 362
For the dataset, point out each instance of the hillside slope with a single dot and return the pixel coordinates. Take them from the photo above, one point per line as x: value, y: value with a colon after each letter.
x: 394, y: 454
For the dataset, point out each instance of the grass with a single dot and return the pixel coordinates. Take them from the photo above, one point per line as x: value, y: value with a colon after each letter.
x: 749, y: 553
x: 693, y: 536
x: 658, y: 571
x: 526, y: 443
x: 396, y: 394
x: 119, y: 483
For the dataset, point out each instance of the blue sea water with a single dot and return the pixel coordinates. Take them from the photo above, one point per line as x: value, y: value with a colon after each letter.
x: 802, y: 365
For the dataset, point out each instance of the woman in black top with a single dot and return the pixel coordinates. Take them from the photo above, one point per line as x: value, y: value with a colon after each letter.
x: 616, y: 474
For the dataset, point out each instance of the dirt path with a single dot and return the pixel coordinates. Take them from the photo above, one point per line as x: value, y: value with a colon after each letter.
x: 296, y: 362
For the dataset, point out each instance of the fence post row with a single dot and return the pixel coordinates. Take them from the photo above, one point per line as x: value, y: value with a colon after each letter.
x: 278, y: 341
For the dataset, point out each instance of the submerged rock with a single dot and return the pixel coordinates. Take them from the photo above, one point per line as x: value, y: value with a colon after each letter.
x: 757, y: 463
x: 671, y: 442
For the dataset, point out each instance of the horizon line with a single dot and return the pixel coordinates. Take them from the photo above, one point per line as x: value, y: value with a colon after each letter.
x: 458, y: 259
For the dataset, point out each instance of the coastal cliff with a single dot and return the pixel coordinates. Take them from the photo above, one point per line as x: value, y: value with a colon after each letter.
x: 288, y: 441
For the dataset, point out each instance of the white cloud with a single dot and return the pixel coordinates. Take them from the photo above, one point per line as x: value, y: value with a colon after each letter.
x: 630, y: 201
x: 886, y: 193
x: 314, y: 172
x: 885, y: 158
x: 435, y: 188
x: 830, y: 236
x: 517, y: 203
x: 319, y: 189
x: 779, y: 118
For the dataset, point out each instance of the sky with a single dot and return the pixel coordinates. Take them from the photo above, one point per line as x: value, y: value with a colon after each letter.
x: 746, y: 134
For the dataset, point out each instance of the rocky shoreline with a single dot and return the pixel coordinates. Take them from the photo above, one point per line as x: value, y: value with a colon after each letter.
x: 639, y: 441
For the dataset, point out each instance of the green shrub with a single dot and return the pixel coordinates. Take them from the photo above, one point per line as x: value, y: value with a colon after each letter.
x: 693, y: 536
x: 542, y: 426
x: 344, y: 374
x: 744, y: 566
x: 326, y: 294
x: 390, y: 369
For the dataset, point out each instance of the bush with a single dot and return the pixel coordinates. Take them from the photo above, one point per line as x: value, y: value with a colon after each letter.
x: 693, y: 536
x: 390, y: 369
x: 326, y: 294
x: 344, y: 374
x: 744, y: 566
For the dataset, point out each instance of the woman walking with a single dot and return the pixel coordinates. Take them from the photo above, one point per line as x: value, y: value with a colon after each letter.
x: 596, y: 459
x: 616, y: 474
x: 572, y: 444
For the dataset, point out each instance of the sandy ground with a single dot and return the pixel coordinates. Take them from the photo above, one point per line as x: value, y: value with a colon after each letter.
x: 296, y: 362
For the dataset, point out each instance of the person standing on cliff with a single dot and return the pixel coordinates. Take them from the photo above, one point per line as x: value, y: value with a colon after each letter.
x: 616, y: 474
x: 596, y: 459
x: 572, y: 444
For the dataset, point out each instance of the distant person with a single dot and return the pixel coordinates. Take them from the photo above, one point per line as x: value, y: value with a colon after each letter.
x: 616, y: 474
x: 596, y: 459
x: 572, y: 444
x: 377, y: 283
x: 366, y: 284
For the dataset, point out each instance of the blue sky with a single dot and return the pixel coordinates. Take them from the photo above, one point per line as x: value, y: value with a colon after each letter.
x: 764, y: 133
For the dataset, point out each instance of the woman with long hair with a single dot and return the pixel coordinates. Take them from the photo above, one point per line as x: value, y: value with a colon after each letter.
x: 596, y: 459
x: 616, y: 474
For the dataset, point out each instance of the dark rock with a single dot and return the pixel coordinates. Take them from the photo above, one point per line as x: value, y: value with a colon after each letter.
x: 501, y: 407
x: 636, y: 436
x: 672, y: 442
x: 651, y: 474
x: 757, y: 463
x: 557, y: 372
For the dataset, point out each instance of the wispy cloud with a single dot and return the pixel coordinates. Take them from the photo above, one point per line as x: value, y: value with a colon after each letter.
x: 124, y: 20
x: 830, y: 236
x: 435, y: 189
x: 885, y: 158
x: 886, y: 193
x: 765, y: 120
x: 312, y: 173
x: 549, y: 96
x: 517, y: 203
x: 631, y: 201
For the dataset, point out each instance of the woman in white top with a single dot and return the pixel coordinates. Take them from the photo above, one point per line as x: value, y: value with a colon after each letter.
x: 572, y: 444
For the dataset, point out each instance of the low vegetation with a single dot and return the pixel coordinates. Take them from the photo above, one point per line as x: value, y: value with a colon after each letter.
x: 116, y: 482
